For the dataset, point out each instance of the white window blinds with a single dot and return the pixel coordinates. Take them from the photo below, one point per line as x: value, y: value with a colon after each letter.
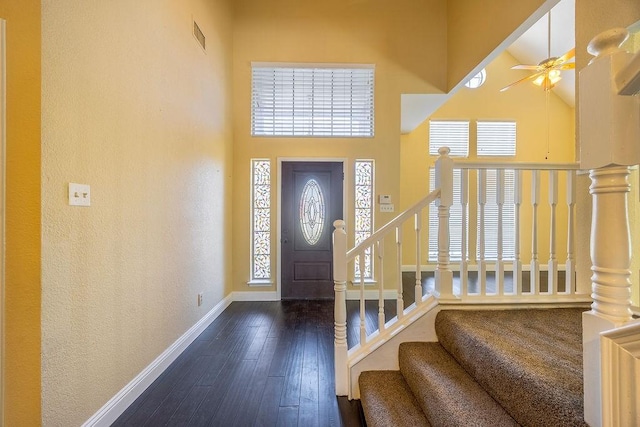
x: 491, y: 218
x: 449, y: 133
x: 496, y: 138
x: 325, y: 102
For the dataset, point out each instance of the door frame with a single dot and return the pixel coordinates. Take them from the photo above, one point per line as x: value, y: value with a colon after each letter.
x: 345, y: 191
x: 3, y: 138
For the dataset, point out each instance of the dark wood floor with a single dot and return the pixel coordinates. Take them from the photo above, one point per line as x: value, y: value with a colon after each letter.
x: 257, y: 364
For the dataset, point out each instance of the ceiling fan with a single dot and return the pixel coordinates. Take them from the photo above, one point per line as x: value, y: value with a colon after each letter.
x: 546, y: 73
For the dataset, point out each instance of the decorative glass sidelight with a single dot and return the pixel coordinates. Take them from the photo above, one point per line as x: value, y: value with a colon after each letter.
x: 261, y: 224
x: 312, y: 212
x: 364, y: 212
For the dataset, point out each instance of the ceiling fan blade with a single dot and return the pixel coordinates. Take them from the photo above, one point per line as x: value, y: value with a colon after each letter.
x: 567, y: 56
x: 531, y: 77
x: 525, y: 67
x: 567, y: 66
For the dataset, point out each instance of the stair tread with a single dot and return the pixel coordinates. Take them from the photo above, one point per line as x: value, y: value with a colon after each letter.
x: 530, y: 360
x: 446, y: 393
x: 387, y: 400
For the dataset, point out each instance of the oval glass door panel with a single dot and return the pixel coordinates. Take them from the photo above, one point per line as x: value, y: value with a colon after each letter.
x: 312, y: 211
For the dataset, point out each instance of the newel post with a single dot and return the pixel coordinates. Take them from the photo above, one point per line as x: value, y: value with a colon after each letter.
x: 340, y: 308
x: 444, y: 181
x: 609, y: 145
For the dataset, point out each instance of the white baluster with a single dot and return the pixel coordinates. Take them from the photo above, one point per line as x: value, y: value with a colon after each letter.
x: 534, y: 278
x: 363, y: 326
x: 570, y: 270
x: 610, y: 243
x: 517, y: 263
x: 482, y: 200
x: 609, y: 135
x: 464, y: 260
x: 444, y: 181
x: 500, y: 203
x: 340, y: 308
x: 399, y: 298
x: 552, y: 270
x: 380, y: 253
x: 418, y: 287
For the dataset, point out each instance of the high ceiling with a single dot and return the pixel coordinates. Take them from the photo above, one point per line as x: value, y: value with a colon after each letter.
x: 529, y: 48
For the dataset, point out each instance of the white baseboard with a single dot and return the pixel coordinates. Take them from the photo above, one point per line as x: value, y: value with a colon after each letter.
x: 255, y: 296
x: 125, y: 397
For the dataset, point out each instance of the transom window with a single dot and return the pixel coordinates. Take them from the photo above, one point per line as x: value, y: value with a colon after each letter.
x: 312, y: 101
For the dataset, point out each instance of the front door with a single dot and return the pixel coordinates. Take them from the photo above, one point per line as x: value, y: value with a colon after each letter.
x: 311, y: 201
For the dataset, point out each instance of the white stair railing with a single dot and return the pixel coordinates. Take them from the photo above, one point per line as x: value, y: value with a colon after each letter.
x: 500, y: 263
x: 444, y: 290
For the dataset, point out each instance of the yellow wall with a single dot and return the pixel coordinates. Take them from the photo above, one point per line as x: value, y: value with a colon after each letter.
x: 22, y: 262
x: 476, y: 28
x: 133, y: 107
x: 593, y: 17
x: 525, y: 104
x: 404, y: 39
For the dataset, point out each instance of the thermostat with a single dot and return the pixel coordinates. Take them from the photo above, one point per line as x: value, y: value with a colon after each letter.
x: 384, y: 199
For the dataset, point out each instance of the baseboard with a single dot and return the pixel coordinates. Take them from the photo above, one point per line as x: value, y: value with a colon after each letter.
x: 125, y: 397
x: 255, y: 296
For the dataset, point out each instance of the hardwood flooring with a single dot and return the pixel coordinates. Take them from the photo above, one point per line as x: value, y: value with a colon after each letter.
x: 257, y: 364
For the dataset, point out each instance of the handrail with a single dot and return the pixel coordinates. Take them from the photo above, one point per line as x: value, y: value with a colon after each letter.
x: 351, y: 254
x: 474, y: 164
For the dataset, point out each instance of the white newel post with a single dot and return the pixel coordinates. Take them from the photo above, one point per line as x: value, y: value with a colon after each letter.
x: 444, y: 181
x: 340, y: 308
x: 609, y: 144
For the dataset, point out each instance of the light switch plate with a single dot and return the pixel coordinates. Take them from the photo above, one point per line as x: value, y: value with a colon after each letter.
x: 387, y: 208
x: 79, y: 194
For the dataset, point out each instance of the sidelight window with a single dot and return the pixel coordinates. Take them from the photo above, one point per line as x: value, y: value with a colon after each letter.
x: 260, y: 220
x: 364, y: 212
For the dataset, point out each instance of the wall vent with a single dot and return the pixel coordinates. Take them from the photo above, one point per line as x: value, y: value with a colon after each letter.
x: 197, y: 33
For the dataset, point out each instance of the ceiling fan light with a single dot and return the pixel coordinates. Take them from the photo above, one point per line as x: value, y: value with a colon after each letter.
x: 540, y: 80
x: 554, y: 76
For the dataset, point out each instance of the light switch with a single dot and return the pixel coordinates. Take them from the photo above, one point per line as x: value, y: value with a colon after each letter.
x: 387, y: 208
x: 79, y: 194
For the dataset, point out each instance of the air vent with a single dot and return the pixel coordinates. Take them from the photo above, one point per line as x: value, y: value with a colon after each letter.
x: 197, y: 33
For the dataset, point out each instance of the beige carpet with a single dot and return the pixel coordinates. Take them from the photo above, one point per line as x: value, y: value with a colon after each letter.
x: 491, y: 368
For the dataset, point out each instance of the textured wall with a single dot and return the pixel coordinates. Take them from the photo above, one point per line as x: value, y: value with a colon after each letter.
x: 132, y: 106
x: 22, y: 219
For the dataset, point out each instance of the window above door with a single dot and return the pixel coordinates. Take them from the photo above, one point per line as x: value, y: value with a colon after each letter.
x: 312, y: 100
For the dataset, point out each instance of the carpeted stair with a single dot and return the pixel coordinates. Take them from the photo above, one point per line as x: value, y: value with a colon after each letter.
x: 489, y: 368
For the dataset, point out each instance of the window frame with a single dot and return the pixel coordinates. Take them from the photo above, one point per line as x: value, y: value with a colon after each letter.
x: 257, y: 281
x: 312, y: 100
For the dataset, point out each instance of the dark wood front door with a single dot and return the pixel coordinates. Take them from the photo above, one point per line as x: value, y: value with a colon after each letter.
x: 311, y: 201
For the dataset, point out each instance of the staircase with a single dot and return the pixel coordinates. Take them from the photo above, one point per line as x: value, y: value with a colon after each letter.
x: 489, y: 368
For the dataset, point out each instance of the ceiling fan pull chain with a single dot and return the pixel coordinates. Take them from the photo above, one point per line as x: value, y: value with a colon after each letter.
x: 546, y: 97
